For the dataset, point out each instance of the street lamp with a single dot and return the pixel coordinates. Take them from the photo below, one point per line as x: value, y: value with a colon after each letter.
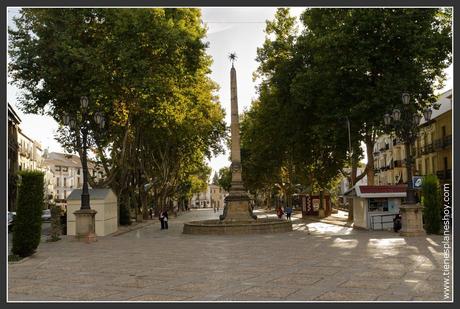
x: 405, y: 125
x: 85, y: 216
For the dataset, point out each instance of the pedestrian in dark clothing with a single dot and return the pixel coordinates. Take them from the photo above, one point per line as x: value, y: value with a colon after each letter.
x: 165, y: 219
x: 397, y: 223
x: 162, y: 221
x: 288, y: 212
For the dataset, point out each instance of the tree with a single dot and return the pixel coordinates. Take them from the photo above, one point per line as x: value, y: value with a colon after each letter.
x: 225, y: 178
x: 146, y: 69
x: 383, y: 52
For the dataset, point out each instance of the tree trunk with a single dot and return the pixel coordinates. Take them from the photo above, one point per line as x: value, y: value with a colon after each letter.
x: 370, y: 159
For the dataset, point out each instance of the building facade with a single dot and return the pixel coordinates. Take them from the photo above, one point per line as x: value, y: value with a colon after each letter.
x: 13, y: 164
x: 201, y: 199
x: 434, y: 143
x: 30, y: 153
x: 432, y: 150
x: 67, y: 173
x: 218, y: 195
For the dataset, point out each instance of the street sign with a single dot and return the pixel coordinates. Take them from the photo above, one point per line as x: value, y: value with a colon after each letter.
x: 417, y: 182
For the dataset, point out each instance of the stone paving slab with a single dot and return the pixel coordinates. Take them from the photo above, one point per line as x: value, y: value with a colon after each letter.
x: 315, y: 262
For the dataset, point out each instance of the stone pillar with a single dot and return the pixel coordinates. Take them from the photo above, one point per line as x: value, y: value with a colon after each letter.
x: 237, y: 203
x: 85, y: 224
x: 411, y: 220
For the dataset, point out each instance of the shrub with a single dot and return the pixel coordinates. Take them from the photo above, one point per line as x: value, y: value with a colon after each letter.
x: 28, y: 223
x: 431, y: 204
x: 125, y: 217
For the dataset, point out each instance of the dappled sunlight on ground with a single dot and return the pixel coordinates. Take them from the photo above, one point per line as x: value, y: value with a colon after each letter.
x: 317, y: 261
x: 432, y: 242
x: 386, y: 242
x: 324, y: 228
x: 344, y: 243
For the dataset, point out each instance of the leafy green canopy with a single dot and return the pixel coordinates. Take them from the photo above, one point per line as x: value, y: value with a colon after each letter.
x: 346, y: 63
x: 145, y: 69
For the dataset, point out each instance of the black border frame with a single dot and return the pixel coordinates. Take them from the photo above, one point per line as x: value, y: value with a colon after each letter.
x: 200, y: 3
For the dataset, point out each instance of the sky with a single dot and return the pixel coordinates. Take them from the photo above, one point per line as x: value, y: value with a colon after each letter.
x: 239, y: 30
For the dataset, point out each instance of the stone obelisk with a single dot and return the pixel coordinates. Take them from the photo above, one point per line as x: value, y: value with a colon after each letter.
x: 237, y: 203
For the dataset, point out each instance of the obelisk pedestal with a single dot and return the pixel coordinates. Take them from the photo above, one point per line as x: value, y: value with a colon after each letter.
x: 237, y: 203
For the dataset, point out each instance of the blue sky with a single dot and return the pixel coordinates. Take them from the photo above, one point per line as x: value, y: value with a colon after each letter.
x: 239, y: 30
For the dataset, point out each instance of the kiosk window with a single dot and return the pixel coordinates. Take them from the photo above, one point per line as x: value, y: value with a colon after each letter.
x: 378, y: 204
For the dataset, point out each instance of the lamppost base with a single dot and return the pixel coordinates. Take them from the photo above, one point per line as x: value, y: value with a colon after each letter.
x: 411, y: 220
x: 321, y: 213
x: 85, y: 225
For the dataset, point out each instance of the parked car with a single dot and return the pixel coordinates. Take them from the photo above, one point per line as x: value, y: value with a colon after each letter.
x: 11, y: 218
x: 46, y: 215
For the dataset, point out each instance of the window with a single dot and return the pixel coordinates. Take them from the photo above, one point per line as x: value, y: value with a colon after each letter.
x: 57, y: 193
x: 427, y: 166
x: 65, y: 169
x: 65, y: 194
x: 57, y: 183
x: 78, y: 171
x: 433, y: 164
x: 57, y: 168
x: 378, y: 204
x: 65, y: 182
x: 443, y: 131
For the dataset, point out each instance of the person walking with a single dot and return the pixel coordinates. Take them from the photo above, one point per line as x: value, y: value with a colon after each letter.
x: 162, y: 221
x: 151, y: 213
x: 279, y: 212
x: 288, y: 212
x: 165, y: 219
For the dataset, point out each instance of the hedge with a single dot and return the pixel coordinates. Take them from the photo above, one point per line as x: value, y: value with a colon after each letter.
x: 28, y: 222
x: 431, y: 204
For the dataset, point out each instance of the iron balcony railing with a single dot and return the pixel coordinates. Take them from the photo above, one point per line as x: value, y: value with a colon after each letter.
x: 447, y: 141
x: 444, y: 175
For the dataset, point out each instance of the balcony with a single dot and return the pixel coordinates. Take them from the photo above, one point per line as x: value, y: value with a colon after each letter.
x: 444, y: 175
x: 438, y: 144
x: 447, y: 141
x: 387, y: 146
x: 427, y: 149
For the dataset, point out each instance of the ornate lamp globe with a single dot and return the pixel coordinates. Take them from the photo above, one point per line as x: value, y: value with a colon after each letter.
x: 396, y: 114
x: 405, y: 98
x: 427, y: 114
x: 84, y: 103
x: 387, y: 119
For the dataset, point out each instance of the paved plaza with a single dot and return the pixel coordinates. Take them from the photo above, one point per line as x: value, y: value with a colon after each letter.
x: 315, y: 262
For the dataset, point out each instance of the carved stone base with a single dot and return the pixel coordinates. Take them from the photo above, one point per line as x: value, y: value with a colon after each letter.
x: 411, y: 220
x: 238, y: 210
x: 85, y: 224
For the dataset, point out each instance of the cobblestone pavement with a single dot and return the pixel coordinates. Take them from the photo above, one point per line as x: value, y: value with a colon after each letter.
x: 315, y: 262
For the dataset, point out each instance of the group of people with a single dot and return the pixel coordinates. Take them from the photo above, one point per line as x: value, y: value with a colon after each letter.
x: 287, y: 211
x: 163, y: 217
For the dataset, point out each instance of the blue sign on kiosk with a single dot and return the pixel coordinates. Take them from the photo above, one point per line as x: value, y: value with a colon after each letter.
x: 417, y: 182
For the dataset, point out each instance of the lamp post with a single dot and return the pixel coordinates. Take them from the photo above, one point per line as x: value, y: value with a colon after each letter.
x: 405, y: 125
x: 85, y: 221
